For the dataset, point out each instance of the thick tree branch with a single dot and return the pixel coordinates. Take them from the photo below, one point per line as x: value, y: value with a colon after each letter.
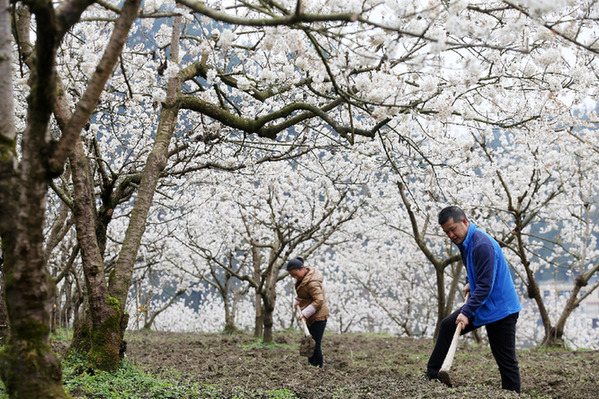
x: 289, y: 19
x: 88, y: 101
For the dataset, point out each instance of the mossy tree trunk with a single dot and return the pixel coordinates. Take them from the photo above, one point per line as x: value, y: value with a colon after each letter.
x: 101, y: 332
x: 3, y: 314
x: 28, y: 367
x: 121, y: 277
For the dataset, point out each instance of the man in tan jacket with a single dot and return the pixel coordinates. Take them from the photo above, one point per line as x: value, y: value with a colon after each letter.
x: 312, y: 302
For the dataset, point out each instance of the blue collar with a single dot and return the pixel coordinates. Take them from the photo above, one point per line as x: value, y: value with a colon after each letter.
x: 471, y: 229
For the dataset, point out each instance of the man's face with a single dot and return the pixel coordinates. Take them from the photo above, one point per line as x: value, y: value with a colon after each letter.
x: 456, y: 231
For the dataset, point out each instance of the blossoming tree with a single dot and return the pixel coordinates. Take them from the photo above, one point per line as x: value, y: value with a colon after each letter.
x: 205, y: 79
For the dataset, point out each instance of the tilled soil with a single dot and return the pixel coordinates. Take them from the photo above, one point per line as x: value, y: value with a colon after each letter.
x: 356, y: 366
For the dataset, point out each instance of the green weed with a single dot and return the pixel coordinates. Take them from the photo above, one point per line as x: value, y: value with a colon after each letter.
x: 62, y: 335
x: 280, y: 394
x: 128, y: 382
x: 240, y: 393
x: 341, y: 392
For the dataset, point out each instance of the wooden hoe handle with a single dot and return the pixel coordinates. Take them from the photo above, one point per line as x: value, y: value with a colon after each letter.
x: 454, y: 345
x: 451, y: 352
x: 302, y: 322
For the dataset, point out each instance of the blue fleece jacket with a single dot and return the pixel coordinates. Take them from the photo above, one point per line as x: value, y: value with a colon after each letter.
x: 492, y: 292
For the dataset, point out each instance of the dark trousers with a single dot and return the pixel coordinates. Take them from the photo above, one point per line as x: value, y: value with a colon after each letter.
x: 502, y: 339
x: 317, y: 331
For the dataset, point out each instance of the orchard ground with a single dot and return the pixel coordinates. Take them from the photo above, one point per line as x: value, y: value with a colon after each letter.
x: 356, y: 366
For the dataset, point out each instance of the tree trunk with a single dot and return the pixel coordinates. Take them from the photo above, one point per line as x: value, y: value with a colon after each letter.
x: 456, y: 272
x: 150, y: 321
x: 28, y: 366
x: 441, y: 308
x: 121, y: 277
x: 7, y: 148
x: 101, y: 332
x: 269, y: 299
x: 259, y: 309
x: 229, y: 319
x: 229, y: 311
x: 270, y: 296
x: 65, y: 293
x: 104, y: 312
x: 3, y: 314
x: 555, y: 337
x: 531, y: 282
x: 268, y: 322
x: 259, y: 319
x: 55, y: 313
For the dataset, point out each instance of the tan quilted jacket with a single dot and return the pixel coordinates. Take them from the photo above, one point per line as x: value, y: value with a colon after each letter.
x: 311, y: 292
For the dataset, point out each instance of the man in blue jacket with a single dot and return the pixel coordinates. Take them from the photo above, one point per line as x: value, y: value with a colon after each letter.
x: 493, y: 299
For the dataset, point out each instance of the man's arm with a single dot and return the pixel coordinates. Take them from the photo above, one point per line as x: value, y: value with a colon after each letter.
x: 483, y: 258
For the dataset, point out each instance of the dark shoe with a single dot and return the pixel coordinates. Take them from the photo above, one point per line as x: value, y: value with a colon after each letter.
x: 429, y: 376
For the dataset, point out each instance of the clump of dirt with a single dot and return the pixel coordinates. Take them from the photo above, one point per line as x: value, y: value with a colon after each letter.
x: 356, y: 366
x: 307, y: 347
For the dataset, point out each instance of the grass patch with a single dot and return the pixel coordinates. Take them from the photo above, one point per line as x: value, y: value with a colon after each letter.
x: 132, y: 382
x: 240, y: 393
x: 128, y: 381
x: 61, y: 335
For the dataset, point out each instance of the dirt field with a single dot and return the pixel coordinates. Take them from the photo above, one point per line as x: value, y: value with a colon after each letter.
x: 356, y: 366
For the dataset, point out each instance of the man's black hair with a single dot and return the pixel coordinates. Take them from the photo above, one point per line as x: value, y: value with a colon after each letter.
x: 451, y: 212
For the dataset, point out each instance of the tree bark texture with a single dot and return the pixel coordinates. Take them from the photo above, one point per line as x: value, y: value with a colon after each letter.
x: 100, y: 332
x: 106, y: 318
x: 120, y: 279
x: 270, y: 293
x: 28, y: 366
x: 258, y: 308
x: 7, y: 139
x: 3, y: 314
